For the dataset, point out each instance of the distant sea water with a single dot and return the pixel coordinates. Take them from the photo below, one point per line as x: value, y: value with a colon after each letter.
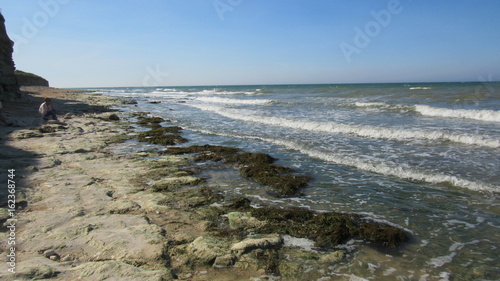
x: 425, y: 157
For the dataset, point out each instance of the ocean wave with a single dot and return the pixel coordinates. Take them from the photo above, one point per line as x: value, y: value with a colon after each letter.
x: 483, y: 115
x: 232, y: 101
x: 384, y: 106
x: 420, y: 88
x: 388, y: 170
x: 224, y: 92
x: 373, y: 166
x: 360, y: 131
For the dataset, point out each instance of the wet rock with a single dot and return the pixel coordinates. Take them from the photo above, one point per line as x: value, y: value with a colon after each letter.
x: 240, y: 203
x: 326, y: 229
x: 151, y: 122
x: 114, y: 117
x: 163, y: 136
x: 383, y: 234
x: 248, y: 158
x: 333, y: 257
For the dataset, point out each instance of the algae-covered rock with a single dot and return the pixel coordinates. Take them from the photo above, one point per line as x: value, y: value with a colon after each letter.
x: 326, y: 229
x: 243, y: 220
x: 248, y: 158
x: 255, y: 166
x: 277, y: 177
x: 206, y: 249
x: 152, y: 122
x: 163, y: 136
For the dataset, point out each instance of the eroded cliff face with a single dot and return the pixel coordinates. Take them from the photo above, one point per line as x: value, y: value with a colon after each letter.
x: 9, y: 87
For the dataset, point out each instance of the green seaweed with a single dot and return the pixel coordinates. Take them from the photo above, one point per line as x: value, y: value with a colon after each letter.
x: 163, y: 136
x: 151, y: 122
x: 326, y: 229
x: 255, y: 166
x: 277, y: 177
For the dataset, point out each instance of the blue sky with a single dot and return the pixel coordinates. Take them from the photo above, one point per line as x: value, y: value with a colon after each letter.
x: 95, y: 43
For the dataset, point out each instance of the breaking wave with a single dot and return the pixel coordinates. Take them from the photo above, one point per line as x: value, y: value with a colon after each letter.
x: 483, y: 115
x: 360, y: 131
x: 232, y: 101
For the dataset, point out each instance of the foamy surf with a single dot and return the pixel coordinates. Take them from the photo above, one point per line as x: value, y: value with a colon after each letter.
x: 482, y: 115
x: 360, y: 131
x: 397, y: 171
x: 388, y: 170
x: 233, y: 101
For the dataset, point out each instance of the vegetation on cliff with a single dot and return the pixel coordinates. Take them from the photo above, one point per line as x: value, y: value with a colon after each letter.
x: 30, y: 79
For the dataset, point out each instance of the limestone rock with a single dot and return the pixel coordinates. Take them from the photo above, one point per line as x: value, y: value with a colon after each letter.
x: 258, y: 242
x: 118, y: 271
x: 123, y: 207
x: 9, y: 88
x: 206, y: 249
x: 243, y: 220
x: 224, y: 261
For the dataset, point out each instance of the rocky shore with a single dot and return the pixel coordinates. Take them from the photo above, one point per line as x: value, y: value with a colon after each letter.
x: 84, y: 212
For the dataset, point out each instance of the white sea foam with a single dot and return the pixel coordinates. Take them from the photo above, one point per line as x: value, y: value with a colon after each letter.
x: 483, y: 115
x: 232, y: 101
x: 221, y: 92
x: 360, y: 131
x: 420, y: 88
x: 379, y: 168
x: 388, y: 170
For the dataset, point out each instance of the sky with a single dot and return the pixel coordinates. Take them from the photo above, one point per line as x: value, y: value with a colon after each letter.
x: 112, y: 43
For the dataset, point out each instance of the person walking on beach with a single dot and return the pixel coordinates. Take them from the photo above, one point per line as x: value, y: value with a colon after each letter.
x: 47, y: 109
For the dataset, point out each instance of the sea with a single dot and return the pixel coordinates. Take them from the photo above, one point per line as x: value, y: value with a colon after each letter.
x: 421, y: 156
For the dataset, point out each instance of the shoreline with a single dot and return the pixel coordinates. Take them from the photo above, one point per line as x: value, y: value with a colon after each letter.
x: 87, y: 213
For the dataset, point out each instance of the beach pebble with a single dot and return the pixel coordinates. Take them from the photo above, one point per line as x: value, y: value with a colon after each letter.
x: 49, y: 253
x: 66, y: 258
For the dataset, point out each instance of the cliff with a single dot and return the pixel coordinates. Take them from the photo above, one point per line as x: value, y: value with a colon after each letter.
x: 9, y: 87
x: 30, y: 79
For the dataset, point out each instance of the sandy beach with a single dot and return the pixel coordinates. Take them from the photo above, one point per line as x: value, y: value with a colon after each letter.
x: 83, y: 212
